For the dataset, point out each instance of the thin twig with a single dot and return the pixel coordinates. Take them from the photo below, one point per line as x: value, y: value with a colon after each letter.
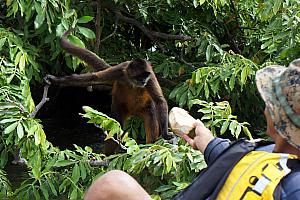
x: 115, y: 140
x: 98, y: 27
x: 184, y: 61
x: 115, y: 30
x: 42, y: 102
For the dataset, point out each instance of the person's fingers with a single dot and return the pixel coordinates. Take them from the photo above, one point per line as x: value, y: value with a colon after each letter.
x: 198, y: 123
x: 188, y: 140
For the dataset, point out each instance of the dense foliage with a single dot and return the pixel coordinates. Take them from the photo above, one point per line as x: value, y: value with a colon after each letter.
x: 206, y: 52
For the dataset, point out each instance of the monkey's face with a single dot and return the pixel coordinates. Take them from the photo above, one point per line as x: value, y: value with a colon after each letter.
x: 141, y: 80
x: 138, y: 72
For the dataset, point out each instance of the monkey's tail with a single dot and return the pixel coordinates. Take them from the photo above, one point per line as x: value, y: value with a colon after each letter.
x: 86, y: 55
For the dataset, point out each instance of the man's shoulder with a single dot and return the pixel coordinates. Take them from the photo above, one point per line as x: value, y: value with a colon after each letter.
x: 267, y: 148
x: 290, y: 186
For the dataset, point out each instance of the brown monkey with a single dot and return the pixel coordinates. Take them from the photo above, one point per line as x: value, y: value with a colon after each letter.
x: 135, y: 90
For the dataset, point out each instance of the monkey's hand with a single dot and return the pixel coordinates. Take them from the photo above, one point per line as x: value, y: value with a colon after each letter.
x: 49, y: 79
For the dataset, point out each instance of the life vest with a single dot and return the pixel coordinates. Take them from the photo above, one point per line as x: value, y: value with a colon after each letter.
x: 241, y: 173
x: 256, y: 176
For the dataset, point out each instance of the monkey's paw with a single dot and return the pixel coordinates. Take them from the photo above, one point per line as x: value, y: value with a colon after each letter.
x: 49, y: 79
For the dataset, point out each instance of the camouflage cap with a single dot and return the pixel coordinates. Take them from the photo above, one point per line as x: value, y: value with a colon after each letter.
x: 280, y: 89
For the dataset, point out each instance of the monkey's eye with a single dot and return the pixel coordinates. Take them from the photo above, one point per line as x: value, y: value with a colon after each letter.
x: 145, y: 74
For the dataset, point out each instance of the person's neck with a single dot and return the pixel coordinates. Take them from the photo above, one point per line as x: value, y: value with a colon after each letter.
x: 283, y: 147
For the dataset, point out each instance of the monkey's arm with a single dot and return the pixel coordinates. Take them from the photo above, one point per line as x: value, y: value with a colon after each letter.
x: 107, y: 76
x: 79, y: 80
x: 160, y: 103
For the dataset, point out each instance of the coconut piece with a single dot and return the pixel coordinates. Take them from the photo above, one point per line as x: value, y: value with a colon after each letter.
x: 180, y: 121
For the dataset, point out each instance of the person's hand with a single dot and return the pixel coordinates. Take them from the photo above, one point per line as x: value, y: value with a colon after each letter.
x: 202, y: 138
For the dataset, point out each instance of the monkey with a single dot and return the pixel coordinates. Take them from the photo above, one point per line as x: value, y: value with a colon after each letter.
x: 135, y: 89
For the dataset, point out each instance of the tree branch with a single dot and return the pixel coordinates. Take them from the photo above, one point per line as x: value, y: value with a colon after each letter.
x: 164, y: 81
x: 98, y: 27
x: 112, y: 138
x: 153, y: 35
x: 115, y: 30
x: 42, y: 102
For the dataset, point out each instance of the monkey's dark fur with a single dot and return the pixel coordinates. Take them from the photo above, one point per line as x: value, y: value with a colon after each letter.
x: 135, y: 90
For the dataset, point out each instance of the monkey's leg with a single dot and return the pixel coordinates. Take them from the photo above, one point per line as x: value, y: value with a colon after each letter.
x: 151, y: 125
x: 161, y: 106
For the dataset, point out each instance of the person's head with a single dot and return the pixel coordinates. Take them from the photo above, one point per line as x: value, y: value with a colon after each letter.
x: 280, y: 89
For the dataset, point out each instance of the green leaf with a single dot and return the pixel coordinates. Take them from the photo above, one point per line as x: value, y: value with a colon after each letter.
x: 3, y: 158
x: 87, y: 32
x: 266, y: 44
x: 64, y: 185
x: 169, y: 162
x: 20, y: 130
x: 82, y: 170
x: 51, y: 185
x: 73, y: 195
x: 244, y: 75
x: 182, y: 100
x: 206, y: 90
x: 44, y: 191
x: 196, y: 3
x: 65, y: 23
x: 60, y: 30
x: 201, y: 2
x: 208, y: 52
x: 238, y: 130
x: 17, y: 58
x: 75, y: 40
x: 10, y: 128
x: 2, y: 41
x: 37, y: 138
x: 38, y: 8
x: 35, y: 192
x: 69, y: 13
x: 232, y: 82
x: 22, y: 63
x: 277, y: 5
x: 8, y: 120
x: 224, y: 127
x: 198, y: 76
x: 232, y: 127
x: 173, y: 93
x: 76, y: 173
x: 85, y: 19
x: 247, y: 132
x: 63, y: 163
x: 39, y: 20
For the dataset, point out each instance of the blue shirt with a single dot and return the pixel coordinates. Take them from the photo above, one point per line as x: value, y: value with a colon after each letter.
x: 290, y: 184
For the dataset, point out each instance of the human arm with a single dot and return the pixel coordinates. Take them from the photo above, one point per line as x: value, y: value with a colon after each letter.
x: 210, y: 146
x: 202, y: 138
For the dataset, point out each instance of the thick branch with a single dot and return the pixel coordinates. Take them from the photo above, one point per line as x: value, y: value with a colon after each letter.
x: 166, y: 82
x: 170, y: 37
x: 151, y: 34
x: 100, y: 163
